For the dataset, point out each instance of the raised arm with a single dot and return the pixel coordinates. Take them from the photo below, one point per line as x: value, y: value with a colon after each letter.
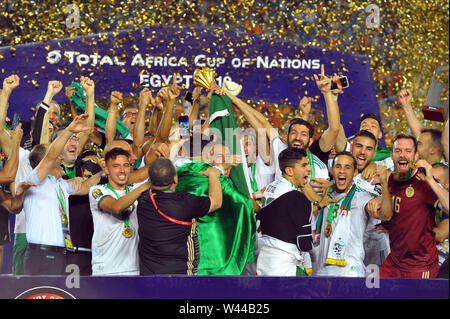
x: 111, y: 121
x: 193, y: 113
x: 404, y: 100
x: 89, y: 87
x: 386, y: 210
x: 168, y: 96
x: 85, y: 185
x: 55, y: 149
x: 117, y: 206
x: 305, y: 107
x: 41, y: 127
x: 14, y: 204
x: 328, y: 138
x: 145, y: 99
x: 256, y: 119
x: 444, y: 140
x: 441, y: 192
x: 69, y: 90
x: 259, y: 122
x: 8, y: 173
x: 9, y: 84
x: 156, y: 117
x: 215, y: 189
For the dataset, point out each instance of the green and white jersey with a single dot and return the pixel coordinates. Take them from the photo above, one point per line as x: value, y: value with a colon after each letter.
x: 319, y: 169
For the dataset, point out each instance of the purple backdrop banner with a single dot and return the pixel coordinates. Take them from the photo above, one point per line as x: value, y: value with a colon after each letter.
x: 273, y: 71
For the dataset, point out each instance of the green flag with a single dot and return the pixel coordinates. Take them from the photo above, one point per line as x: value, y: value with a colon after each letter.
x: 227, y: 236
x: 221, y: 117
x: 382, y: 153
x: 78, y: 100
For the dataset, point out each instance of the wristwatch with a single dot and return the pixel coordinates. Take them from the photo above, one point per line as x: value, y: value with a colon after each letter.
x: 316, y: 203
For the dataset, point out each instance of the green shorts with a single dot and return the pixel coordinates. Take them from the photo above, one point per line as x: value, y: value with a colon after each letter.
x: 19, y: 248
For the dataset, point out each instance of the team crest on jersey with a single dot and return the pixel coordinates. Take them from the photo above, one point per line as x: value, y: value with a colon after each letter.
x: 409, y: 191
x: 97, y: 193
x: 339, y: 248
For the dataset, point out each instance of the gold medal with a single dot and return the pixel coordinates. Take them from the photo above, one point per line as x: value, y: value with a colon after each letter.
x: 127, y: 232
x: 65, y: 220
x: 412, y: 165
x: 328, y: 230
x: 409, y: 191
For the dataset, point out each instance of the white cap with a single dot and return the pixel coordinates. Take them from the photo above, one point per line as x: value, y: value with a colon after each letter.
x: 232, y: 87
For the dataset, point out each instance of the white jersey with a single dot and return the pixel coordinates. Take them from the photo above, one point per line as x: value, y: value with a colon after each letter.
x: 23, y: 169
x: 352, y: 248
x: 278, y: 257
x: 264, y: 174
x: 376, y: 246
x: 319, y: 170
x: 112, y: 253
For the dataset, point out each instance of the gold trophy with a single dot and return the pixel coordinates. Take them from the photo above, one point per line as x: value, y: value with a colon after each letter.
x: 205, y: 78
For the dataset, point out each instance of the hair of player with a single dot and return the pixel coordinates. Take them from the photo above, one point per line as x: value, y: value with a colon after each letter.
x: 371, y: 116
x: 37, y: 154
x: 114, y: 152
x: 436, y: 137
x: 366, y: 133
x: 161, y: 173
x: 301, y: 122
x: 405, y: 136
x: 346, y: 153
x: 289, y: 157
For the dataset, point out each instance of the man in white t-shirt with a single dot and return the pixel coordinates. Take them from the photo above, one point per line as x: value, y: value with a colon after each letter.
x: 344, y: 222
x: 113, y: 206
x: 46, y: 205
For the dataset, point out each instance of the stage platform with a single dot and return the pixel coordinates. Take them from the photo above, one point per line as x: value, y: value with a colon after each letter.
x: 220, y: 287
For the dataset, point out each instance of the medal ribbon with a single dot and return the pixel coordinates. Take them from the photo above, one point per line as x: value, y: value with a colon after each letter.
x: 252, y: 177
x: 311, y: 164
x: 346, y: 204
x: 173, y: 220
x: 126, y: 222
x: 62, y: 204
x: 70, y: 173
x: 64, y: 220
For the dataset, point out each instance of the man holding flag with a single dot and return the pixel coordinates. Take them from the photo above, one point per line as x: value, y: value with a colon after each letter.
x: 227, y: 236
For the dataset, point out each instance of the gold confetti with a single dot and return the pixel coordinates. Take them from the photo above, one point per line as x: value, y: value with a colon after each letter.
x: 405, y: 49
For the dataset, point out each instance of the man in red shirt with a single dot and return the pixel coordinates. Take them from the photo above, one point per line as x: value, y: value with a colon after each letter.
x: 415, y: 196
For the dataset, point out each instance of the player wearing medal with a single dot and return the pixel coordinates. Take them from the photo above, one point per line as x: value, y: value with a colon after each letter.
x: 113, y: 207
x: 46, y: 205
x: 81, y: 226
x: 415, y: 197
x: 344, y: 222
